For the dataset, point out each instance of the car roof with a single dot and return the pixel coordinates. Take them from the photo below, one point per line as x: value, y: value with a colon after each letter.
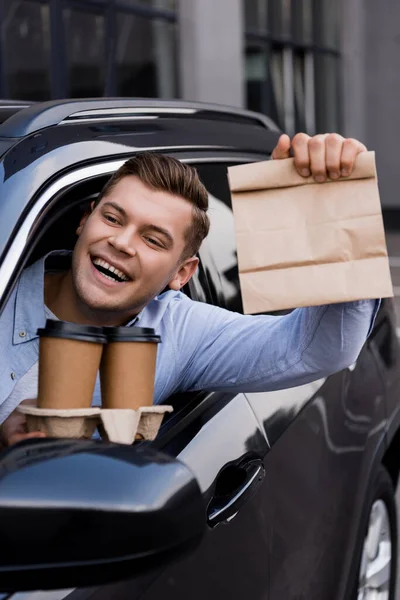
x: 50, y: 141
x: 160, y: 125
x: 8, y: 108
x: 27, y: 119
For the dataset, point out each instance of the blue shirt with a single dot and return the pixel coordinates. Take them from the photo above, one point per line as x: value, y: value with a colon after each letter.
x: 203, y: 347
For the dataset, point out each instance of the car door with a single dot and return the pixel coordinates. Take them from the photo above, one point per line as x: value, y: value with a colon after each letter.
x: 263, y: 472
x: 217, y: 435
x: 323, y: 436
x: 319, y: 436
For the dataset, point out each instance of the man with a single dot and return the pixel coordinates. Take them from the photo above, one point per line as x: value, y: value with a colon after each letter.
x: 140, y: 238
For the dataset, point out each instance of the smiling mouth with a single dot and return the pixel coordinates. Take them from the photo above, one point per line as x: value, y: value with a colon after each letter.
x: 109, y: 271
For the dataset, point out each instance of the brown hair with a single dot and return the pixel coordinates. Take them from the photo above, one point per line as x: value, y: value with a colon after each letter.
x: 167, y: 174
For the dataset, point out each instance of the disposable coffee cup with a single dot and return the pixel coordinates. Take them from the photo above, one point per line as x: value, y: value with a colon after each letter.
x: 128, y: 367
x: 69, y: 360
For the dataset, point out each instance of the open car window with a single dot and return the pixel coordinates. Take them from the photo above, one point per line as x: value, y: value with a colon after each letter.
x: 55, y: 229
x: 219, y: 252
x: 219, y: 248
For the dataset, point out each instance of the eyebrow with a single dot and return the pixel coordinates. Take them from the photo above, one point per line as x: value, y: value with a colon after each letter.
x: 154, y: 228
x: 163, y: 232
x: 116, y: 207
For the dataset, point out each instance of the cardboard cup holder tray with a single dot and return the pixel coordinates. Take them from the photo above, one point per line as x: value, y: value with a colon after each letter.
x: 119, y: 425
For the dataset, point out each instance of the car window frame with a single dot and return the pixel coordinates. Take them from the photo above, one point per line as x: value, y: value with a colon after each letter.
x: 16, y: 255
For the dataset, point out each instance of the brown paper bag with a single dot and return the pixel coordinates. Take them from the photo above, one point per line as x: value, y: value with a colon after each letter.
x: 302, y: 243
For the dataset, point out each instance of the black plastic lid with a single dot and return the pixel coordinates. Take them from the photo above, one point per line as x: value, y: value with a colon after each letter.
x: 73, y: 331
x: 131, y: 334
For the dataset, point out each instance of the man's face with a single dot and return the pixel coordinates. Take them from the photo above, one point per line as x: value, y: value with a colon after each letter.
x: 129, y: 248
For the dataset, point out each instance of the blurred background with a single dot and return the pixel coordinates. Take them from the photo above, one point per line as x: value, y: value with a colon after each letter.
x: 311, y: 65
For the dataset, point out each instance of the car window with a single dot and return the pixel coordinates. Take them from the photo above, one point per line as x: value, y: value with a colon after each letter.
x: 216, y: 280
x: 219, y: 252
x: 219, y: 249
x: 57, y: 231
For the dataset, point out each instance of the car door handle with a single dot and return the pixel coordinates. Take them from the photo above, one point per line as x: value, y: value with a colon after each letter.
x: 235, y: 485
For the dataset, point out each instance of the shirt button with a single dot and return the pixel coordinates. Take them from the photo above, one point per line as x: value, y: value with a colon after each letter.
x: 13, y: 375
x: 22, y: 334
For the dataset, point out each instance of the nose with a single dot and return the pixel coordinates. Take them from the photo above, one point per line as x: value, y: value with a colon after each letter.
x: 123, y: 242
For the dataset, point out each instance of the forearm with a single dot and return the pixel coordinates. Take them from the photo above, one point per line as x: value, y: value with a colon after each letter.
x: 338, y: 336
x: 324, y: 340
x: 264, y: 353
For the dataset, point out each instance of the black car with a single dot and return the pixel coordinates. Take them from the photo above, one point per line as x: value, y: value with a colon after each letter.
x: 283, y: 495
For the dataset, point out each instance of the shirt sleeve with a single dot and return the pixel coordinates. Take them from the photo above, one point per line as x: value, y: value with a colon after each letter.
x: 221, y: 350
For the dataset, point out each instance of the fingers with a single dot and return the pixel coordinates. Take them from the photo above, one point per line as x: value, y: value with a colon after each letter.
x: 334, y: 148
x: 19, y: 437
x: 310, y: 156
x: 326, y: 155
x: 282, y: 149
x: 317, y: 152
x: 351, y: 148
x: 30, y: 402
x: 322, y: 156
x: 14, y: 428
x: 301, y: 153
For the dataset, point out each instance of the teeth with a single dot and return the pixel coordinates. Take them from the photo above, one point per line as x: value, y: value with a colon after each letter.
x: 102, y: 263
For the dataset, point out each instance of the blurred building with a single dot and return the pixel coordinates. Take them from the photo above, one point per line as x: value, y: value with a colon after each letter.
x: 313, y: 65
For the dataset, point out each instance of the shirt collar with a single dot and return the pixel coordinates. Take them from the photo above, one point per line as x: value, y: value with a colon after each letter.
x: 29, y: 303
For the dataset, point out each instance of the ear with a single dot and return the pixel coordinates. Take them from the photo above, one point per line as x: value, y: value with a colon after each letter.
x: 85, y: 218
x: 186, y: 271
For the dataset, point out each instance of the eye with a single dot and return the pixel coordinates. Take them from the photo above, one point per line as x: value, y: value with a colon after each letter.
x: 154, y: 241
x: 111, y: 219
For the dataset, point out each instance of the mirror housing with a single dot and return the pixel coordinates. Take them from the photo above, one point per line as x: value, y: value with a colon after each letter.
x: 79, y: 513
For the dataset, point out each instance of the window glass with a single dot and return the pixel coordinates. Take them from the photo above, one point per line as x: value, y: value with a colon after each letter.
x: 256, y: 77
x: 326, y: 19
x: 26, y: 48
x: 263, y: 85
x: 218, y: 252
x: 302, y: 21
x: 292, y: 65
x: 278, y: 82
x: 281, y: 17
x: 157, y: 4
x: 304, y: 91
x: 146, y: 57
x: 299, y: 91
x: 256, y: 15
x: 307, y: 21
x: 327, y: 93
x: 85, y: 52
x: 285, y: 17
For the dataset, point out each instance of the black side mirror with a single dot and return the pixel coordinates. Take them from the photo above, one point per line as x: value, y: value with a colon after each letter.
x: 79, y: 513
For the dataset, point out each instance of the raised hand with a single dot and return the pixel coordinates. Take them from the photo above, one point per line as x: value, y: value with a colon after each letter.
x: 322, y: 156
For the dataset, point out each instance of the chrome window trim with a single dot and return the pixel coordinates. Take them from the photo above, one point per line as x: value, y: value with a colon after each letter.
x: 242, y: 158
x: 14, y: 106
x: 42, y: 595
x: 131, y: 111
x: 18, y: 244
x: 123, y: 114
x: 70, y: 121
